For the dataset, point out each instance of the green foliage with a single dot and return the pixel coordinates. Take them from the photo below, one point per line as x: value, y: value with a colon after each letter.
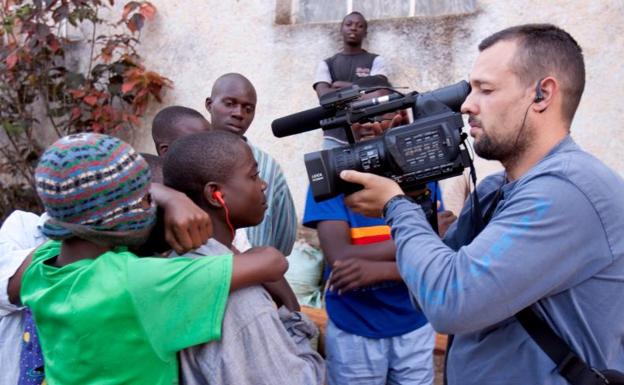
x: 36, y: 73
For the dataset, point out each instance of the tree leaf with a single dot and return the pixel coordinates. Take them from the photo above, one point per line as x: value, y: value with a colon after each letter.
x: 61, y: 13
x: 136, y: 22
x: 131, y: 6
x: 90, y: 100
x: 148, y: 10
x: 128, y: 85
x: 11, y: 60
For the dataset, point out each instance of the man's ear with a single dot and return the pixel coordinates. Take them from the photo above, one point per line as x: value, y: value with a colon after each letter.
x: 549, y: 89
x: 208, y: 103
x: 212, y: 190
x: 162, y: 149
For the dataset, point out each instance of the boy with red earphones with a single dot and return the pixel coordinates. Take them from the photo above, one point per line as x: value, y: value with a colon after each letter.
x: 259, y: 344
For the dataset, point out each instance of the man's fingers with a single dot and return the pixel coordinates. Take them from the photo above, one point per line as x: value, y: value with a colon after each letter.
x: 354, y: 176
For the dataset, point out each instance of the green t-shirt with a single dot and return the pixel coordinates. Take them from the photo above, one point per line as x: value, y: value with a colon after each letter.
x: 120, y: 319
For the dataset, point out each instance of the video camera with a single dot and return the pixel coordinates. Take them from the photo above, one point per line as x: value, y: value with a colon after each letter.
x: 428, y: 149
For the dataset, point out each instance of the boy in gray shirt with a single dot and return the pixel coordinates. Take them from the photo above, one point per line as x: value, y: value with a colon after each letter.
x: 218, y: 172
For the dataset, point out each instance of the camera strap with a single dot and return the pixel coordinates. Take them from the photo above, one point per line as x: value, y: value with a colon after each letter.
x: 569, y: 365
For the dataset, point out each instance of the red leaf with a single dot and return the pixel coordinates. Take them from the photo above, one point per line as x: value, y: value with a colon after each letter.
x: 129, y: 85
x: 11, y: 60
x: 147, y: 10
x: 134, y: 120
x: 54, y: 44
x: 75, y: 113
x: 90, y: 100
x: 77, y: 93
x: 129, y: 8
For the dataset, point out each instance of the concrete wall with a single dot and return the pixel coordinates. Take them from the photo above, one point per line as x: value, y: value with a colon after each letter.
x: 194, y: 41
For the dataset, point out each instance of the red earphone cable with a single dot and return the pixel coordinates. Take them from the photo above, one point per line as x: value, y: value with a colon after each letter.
x: 227, y: 214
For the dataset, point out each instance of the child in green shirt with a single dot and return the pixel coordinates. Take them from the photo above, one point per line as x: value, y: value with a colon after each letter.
x: 104, y: 315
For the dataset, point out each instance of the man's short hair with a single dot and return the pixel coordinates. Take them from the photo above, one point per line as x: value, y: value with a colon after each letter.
x: 543, y: 50
x: 169, y: 117
x: 355, y: 13
x: 194, y: 160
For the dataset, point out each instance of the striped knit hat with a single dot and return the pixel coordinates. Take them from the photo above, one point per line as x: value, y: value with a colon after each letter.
x: 92, y: 187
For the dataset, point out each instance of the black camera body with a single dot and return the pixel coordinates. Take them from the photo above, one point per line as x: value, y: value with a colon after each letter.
x: 428, y: 149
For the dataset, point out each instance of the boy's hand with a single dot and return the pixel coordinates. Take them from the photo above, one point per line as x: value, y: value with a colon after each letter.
x: 282, y: 294
x: 354, y: 273
x: 445, y: 220
x: 186, y: 225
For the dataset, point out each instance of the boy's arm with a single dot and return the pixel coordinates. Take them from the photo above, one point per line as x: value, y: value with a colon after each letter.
x: 322, y: 88
x: 355, y: 266
x: 335, y: 239
x: 186, y: 225
x: 355, y: 273
x: 15, y: 282
x: 282, y: 294
x: 257, y: 265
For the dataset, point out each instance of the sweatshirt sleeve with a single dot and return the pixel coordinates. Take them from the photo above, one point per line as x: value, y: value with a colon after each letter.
x: 546, y: 237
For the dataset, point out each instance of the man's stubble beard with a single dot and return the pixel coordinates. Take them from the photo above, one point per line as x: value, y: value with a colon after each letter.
x: 507, y: 151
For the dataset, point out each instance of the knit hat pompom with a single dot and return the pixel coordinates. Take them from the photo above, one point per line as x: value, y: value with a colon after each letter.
x: 94, y: 181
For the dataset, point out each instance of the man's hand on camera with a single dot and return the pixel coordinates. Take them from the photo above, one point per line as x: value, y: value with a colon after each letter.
x: 377, y: 191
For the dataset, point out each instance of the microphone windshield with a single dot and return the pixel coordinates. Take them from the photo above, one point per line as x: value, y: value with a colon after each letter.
x: 303, y: 121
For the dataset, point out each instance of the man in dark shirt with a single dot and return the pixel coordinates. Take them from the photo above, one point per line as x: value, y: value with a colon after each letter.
x: 346, y: 67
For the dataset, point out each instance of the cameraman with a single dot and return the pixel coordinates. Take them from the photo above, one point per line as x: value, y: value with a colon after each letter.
x: 554, y: 238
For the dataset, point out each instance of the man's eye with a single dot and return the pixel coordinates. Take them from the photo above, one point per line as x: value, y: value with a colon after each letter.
x: 486, y: 91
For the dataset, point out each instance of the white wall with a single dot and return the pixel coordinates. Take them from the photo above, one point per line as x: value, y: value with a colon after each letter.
x: 194, y: 41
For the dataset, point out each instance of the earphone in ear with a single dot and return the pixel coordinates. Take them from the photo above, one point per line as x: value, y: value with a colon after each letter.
x: 217, y: 195
x: 539, y: 95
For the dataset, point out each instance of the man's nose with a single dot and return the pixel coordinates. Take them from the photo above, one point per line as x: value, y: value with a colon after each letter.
x: 469, y: 106
x: 237, y: 112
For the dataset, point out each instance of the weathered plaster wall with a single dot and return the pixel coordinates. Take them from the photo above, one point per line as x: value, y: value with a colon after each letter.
x: 193, y: 42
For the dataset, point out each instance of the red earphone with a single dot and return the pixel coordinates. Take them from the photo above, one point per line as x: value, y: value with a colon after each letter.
x: 219, y: 197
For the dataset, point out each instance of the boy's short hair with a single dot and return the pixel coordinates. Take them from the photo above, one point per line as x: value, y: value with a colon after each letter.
x: 194, y: 160
x: 92, y: 182
x: 169, y: 117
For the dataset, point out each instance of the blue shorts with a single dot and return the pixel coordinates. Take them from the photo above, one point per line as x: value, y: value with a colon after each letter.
x: 406, y: 359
